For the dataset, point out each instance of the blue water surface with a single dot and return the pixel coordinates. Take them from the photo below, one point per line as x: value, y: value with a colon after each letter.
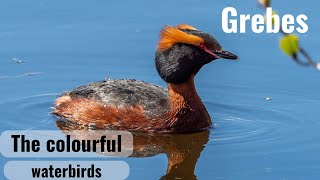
x: 64, y: 44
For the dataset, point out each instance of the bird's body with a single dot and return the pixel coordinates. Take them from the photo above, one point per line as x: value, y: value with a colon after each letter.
x: 134, y: 105
x: 138, y: 106
x: 125, y: 93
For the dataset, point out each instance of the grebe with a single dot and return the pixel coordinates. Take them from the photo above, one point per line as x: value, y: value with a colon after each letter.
x: 138, y: 106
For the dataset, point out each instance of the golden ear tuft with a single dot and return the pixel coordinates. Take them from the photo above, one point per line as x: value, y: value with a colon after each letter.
x: 185, y: 26
x: 170, y: 35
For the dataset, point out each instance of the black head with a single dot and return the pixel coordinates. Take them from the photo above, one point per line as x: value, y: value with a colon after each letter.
x: 183, y: 50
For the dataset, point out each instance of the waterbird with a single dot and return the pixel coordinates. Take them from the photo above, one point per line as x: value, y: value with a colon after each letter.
x: 137, y: 106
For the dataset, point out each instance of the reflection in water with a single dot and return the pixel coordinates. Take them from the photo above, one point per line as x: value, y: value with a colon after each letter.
x: 182, y: 150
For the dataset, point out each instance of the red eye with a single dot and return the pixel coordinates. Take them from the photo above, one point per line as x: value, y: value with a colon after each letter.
x: 202, y: 46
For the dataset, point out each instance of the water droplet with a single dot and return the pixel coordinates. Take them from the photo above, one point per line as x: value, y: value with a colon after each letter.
x: 318, y: 66
x: 18, y: 61
x: 267, y: 98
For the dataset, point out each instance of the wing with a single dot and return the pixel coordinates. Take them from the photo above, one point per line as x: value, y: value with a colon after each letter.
x: 125, y: 93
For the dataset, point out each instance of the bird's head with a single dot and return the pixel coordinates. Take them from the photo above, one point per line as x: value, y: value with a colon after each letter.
x: 183, y: 50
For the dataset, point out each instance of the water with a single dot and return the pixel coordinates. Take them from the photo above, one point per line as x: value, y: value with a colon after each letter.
x: 48, y: 47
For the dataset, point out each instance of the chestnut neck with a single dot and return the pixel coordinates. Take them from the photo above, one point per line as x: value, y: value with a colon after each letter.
x: 184, y: 95
x: 186, y: 112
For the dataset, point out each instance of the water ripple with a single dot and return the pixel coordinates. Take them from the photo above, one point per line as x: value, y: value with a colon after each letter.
x: 21, y: 75
x: 32, y: 112
x: 258, y: 130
